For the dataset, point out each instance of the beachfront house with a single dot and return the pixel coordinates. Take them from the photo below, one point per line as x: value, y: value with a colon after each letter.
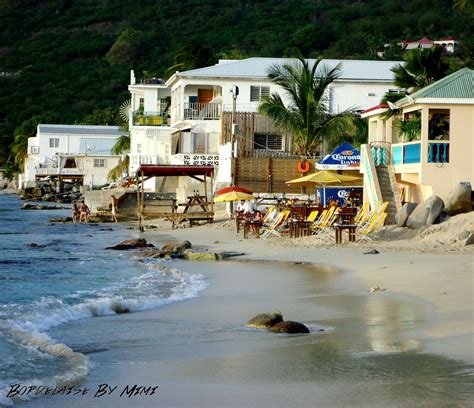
x: 198, y: 127
x: 426, y: 148
x: 71, y: 152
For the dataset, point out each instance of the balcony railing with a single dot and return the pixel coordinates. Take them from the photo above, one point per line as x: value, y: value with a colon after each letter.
x: 438, y: 152
x: 202, y: 111
x: 406, y: 153
x: 150, y: 118
x: 194, y: 159
x: 52, y: 171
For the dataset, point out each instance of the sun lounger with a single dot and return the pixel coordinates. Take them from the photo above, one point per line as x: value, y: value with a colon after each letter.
x: 325, y: 220
x: 276, y: 226
x: 375, y: 223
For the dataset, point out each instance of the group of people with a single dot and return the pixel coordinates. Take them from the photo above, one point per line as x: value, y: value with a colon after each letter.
x: 81, y: 213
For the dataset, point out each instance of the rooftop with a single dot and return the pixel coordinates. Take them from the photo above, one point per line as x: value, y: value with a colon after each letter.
x: 458, y: 85
x: 82, y: 130
x: 258, y: 68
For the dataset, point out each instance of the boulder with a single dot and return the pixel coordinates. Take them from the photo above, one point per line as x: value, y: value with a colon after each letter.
x: 199, y: 256
x: 60, y: 219
x: 265, y: 320
x: 289, y: 327
x: 174, y: 250
x: 404, y: 213
x: 425, y: 213
x: 131, y: 244
x: 459, y: 199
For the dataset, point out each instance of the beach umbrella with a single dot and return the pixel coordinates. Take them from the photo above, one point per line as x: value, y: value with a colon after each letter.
x: 327, y: 177
x: 233, y: 188
x: 233, y: 196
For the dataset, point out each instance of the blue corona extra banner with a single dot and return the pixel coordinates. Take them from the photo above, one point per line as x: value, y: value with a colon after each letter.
x: 344, y: 157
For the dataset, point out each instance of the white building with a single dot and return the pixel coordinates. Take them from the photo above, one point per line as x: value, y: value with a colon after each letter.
x: 190, y: 132
x: 72, y: 152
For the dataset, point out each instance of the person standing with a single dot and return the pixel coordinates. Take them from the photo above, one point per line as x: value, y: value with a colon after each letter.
x: 75, y: 213
x: 114, y: 206
x: 84, y: 212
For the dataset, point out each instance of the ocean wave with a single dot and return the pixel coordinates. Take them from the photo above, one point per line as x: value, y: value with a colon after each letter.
x: 154, y: 288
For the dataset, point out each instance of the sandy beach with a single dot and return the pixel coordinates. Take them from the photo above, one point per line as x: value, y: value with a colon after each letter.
x: 408, y: 344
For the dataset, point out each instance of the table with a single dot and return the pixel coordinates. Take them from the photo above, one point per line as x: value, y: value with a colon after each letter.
x: 248, y: 224
x: 299, y: 228
x: 194, y: 201
x: 351, y: 229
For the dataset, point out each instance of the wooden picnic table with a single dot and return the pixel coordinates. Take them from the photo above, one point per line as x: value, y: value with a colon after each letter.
x: 248, y: 224
x: 194, y: 201
x: 345, y: 222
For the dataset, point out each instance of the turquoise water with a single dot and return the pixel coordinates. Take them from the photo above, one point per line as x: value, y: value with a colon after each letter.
x: 67, y: 275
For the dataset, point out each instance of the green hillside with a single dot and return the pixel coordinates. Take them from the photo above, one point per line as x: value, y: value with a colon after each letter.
x: 62, y: 58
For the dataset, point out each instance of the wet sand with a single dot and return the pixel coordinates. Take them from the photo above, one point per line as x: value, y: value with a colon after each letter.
x: 376, y: 349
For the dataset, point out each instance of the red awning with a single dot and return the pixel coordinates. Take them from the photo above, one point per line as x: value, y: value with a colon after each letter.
x: 161, y: 170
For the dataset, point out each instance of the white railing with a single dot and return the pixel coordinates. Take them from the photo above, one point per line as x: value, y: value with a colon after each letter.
x: 194, y: 159
x: 52, y: 171
x: 199, y: 111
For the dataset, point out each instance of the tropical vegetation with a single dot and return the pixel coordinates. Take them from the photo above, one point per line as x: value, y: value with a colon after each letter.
x: 63, y: 59
x: 305, y: 114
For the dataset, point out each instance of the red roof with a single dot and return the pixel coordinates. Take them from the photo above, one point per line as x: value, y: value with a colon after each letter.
x: 382, y: 106
x: 449, y: 38
x: 160, y: 170
x: 425, y: 40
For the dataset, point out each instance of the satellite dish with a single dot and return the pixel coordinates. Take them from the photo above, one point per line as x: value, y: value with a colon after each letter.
x: 124, y: 110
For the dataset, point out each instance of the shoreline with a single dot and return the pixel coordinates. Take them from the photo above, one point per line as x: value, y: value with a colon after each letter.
x: 442, y: 281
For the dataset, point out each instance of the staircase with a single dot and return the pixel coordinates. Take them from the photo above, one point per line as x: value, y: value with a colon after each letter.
x: 387, y: 190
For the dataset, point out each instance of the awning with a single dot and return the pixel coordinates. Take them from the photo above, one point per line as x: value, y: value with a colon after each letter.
x: 161, y: 170
x: 344, y: 157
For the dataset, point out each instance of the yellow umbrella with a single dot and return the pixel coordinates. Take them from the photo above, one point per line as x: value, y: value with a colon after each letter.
x: 233, y: 196
x: 325, y: 177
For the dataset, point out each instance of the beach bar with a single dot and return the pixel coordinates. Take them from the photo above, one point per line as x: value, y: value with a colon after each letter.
x: 171, y: 212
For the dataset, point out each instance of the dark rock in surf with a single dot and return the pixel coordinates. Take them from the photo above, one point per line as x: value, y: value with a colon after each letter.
x: 289, y: 327
x: 265, y: 320
x: 131, y: 244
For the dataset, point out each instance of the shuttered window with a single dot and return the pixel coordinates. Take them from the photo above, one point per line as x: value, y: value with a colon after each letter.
x: 257, y: 93
x: 263, y: 141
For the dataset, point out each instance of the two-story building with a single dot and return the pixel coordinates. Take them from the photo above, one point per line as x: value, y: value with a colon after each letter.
x: 72, y: 152
x: 201, y: 101
x: 428, y: 146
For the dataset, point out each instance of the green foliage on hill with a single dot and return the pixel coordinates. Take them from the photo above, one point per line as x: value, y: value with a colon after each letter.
x: 62, y: 59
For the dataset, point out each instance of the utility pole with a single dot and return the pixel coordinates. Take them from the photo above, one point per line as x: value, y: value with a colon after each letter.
x: 235, y: 92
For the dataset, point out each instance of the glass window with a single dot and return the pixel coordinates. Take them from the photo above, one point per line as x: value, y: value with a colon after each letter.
x: 139, y: 148
x: 438, y: 127
x: 35, y: 149
x: 257, y: 93
x: 263, y: 141
x: 53, y: 142
x: 100, y: 163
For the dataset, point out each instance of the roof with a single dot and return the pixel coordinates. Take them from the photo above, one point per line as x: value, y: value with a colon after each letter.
x: 81, y: 130
x: 96, y: 146
x: 458, y: 85
x: 381, y: 106
x: 258, y: 68
x: 160, y: 170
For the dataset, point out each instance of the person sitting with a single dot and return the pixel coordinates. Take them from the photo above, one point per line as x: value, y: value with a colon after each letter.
x: 240, y: 206
x: 249, y: 207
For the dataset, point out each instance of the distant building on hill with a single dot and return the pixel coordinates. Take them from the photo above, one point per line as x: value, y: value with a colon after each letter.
x: 449, y: 44
x: 72, y: 152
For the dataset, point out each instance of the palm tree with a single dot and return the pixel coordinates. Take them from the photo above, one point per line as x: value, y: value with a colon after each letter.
x: 122, y: 145
x: 422, y: 67
x: 307, y: 115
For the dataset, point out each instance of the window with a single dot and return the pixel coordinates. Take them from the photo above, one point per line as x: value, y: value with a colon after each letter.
x: 263, y: 141
x: 35, y: 149
x: 139, y: 148
x: 438, y: 124
x: 100, y: 162
x: 53, y: 142
x: 257, y: 93
x: 141, y: 104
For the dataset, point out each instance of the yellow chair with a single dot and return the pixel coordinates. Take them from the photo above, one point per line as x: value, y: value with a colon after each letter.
x: 325, y: 221
x: 371, y: 227
x: 276, y: 225
x: 312, y: 216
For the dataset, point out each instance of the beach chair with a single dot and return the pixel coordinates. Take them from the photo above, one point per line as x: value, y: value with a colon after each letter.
x: 376, y: 222
x: 266, y: 219
x: 365, y: 219
x: 312, y: 216
x: 325, y: 222
x: 362, y: 212
x: 276, y: 226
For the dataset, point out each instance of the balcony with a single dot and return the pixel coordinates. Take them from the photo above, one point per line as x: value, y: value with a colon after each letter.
x: 150, y: 118
x: 202, y: 111
x: 55, y: 171
x: 438, y: 152
x: 406, y: 153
